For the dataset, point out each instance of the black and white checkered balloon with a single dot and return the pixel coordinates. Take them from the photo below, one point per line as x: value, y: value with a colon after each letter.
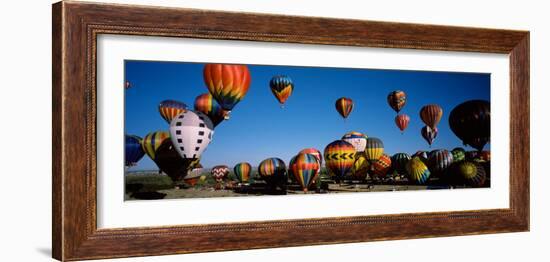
x: 191, y: 132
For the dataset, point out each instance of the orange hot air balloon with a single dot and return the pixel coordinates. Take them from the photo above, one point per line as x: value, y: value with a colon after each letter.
x: 344, y: 106
x: 402, y: 121
x: 431, y: 115
x: 227, y: 83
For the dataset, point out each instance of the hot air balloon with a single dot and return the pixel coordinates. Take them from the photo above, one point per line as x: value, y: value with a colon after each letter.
x: 170, y: 162
x: 206, y: 104
x: 228, y: 84
x: 152, y: 141
x: 168, y: 109
x: 417, y: 171
x: 397, y: 100
x: 219, y: 173
x: 316, y: 153
x: 339, y: 157
x: 399, y: 162
x: 281, y: 87
x: 402, y: 121
x: 439, y: 161
x: 471, y: 122
x: 358, y: 140
x: 133, y: 151
x: 431, y: 115
x: 290, y: 171
x: 273, y: 171
x: 127, y: 84
x: 485, y: 156
x: 193, y: 175
x: 374, y: 149
x: 191, y: 132
x: 459, y: 154
x: 423, y: 155
x: 361, y: 166
x: 381, y: 166
x: 242, y: 172
x: 344, y: 106
x: 472, y: 173
x: 429, y: 134
x: 305, y: 168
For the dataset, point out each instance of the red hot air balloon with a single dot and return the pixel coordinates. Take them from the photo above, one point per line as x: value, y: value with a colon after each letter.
x: 344, y: 106
x: 168, y: 109
x: 228, y: 84
x: 431, y: 115
x: 402, y: 121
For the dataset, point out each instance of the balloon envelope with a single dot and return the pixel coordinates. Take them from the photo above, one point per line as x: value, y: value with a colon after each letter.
x: 402, y: 121
x: 417, y: 171
x: 397, y: 100
x: 358, y: 140
x: 242, y: 171
x: 381, y: 166
x: 206, y: 104
x: 339, y: 157
x: 272, y: 170
x: 399, y: 162
x: 219, y: 172
x: 133, y: 151
x: 152, y: 141
x: 168, y: 109
x: 191, y: 133
x: 344, y: 106
x: 170, y: 162
x: 227, y: 83
x: 281, y: 87
x: 431, y: 115
x: 374, y: 149
x: 471, y: 122
x: 305, y: 168
x: 429, y: 134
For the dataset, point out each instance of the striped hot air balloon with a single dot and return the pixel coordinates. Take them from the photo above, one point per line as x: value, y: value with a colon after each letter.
x: 219, y: 172
x: 431, y: 115
x: 281, y: 87
x: 168, y: 109
x: 459, y: 154
x: 272, y: 170
x: 133, y: 151
x: 472, y: 173
x: 429, y: 134
x: 227, y: 83
x: 206, y: 104
x: 361, y: 166
x: 381, y: 166
x: 344, y: 106
x: 417, y: 171
x: 402, y: 121
x: 291, y: 175
x: 152, y: 141
x: 397, y: 100
x: 316, y: 153
x: 374, y: 149
x: 339, y: 157
x: 242, y: 172
x: 439, y: 161
x: 358, y: 140
x: 305, y: 168
x: 399, y: 162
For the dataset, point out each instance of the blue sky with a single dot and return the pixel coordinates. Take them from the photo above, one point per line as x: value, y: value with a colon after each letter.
x: 259, y: 128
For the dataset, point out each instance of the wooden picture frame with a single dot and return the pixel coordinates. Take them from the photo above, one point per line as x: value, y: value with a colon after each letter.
x: 76, y: 26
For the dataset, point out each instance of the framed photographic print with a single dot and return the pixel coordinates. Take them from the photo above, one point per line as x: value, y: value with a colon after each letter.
x: 181, y: 130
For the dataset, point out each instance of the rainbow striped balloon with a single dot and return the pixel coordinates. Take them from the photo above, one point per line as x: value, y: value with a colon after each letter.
x: 305, y: 168
x: 227, y: 83
x: 344, y: 106
x: 418, y: 171
x: 281, y: 87
x: 152, y: 141
x: 272, y: 170
x: 242, y: 172
x: 339, y: 157
x: 316, y: 153
x: 206, y: 104
x: 169, y: 109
